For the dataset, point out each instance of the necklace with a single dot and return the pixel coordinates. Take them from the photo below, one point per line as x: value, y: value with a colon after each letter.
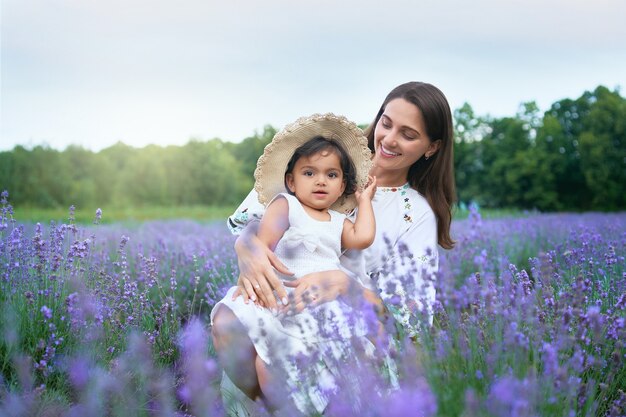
x: 404, y: 201
x: 401, y: 188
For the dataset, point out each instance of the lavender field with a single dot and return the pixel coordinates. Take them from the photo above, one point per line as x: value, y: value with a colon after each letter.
x: 113, y: 320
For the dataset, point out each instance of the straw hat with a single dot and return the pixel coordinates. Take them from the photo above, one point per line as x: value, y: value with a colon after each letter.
x: 270, y: 170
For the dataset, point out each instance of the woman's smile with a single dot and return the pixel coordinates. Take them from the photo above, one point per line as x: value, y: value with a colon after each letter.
x: 387, y: 153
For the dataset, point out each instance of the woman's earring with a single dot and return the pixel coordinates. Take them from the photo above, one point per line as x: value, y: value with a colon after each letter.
x: 426, y: 157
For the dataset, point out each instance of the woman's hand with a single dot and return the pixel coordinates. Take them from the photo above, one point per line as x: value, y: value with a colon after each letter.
x: 257, y: 278
x: 317, y: 288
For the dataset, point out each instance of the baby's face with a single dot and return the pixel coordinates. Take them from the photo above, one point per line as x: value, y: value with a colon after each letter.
x: 317, y: 180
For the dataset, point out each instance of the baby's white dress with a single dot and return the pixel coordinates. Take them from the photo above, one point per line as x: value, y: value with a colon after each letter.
x: 402, y: 263
x: 307, y: 246
x: 406, y: 227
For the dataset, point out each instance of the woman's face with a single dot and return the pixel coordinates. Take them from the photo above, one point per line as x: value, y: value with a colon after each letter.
x: 400, y: 139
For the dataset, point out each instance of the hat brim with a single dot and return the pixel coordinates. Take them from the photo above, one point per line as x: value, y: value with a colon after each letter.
x: 269, y: 174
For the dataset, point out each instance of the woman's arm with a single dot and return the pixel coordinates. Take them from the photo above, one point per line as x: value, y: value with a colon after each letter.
x: 320, y: 287
x: 273, y: 226
x: 257, y: 278
x: 249, y: 211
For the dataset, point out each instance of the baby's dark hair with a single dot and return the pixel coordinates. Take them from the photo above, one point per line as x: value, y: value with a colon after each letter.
x: 318, y: 144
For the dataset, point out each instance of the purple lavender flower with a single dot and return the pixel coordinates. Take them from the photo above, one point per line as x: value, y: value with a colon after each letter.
x: 418, y: 401
x: 79, y: 372
x: 510, y: 397
x: 47, y: 312
x: 525, y: 341
x: 200, y: 371
x: 98, y: 216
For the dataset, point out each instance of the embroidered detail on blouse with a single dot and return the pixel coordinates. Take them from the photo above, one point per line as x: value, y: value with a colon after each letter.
x: 401, y: 188
x: 406, y: 202
x: 238, y: 221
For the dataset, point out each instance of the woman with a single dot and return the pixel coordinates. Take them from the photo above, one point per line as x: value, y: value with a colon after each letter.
x: 411, y: 138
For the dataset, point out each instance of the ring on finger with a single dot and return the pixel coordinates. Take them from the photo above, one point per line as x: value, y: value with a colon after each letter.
x: 257, y: 285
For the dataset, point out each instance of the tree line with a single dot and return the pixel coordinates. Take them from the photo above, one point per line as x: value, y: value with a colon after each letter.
x: 571, y: 157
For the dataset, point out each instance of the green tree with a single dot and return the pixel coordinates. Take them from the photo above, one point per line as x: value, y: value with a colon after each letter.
x: 501, y: 184
x: 529, y: 179
x: 80, y: 174
x: 6, y: 168
x: 573, y: 157
x: 545, y: 165
x: 603, y: 149
x: 559, y: 140
x: 206, y: 173
x: 251, y: 148
x: 468, y: 162
x: 36, y: 177
x: 144, y: 180
x: 117, y: 159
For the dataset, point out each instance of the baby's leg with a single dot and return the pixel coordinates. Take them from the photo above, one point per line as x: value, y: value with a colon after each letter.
x: 273, y: 397
x: 235, y: 351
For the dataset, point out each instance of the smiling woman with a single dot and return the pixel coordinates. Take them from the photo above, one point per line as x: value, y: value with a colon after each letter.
x: 410, y: 141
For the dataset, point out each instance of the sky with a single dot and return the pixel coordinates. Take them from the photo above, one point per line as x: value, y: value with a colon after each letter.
x: 92, y: 73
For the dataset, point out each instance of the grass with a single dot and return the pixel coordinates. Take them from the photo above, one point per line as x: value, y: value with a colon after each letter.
x: 123, y: 214
x: 201, y: 213
x: 461, y: 213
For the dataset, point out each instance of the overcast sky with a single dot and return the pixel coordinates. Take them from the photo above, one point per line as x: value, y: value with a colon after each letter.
x: 94, y: 72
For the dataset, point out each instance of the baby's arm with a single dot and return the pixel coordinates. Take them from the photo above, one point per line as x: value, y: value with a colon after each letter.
x: 274, y: 223
x: 361, y: 233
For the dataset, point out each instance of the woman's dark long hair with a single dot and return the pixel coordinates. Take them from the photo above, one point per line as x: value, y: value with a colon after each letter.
x: 432, y: 177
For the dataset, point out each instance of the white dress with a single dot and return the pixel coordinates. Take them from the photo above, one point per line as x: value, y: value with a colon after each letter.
x: 307, y: 246
x: 400, y: 265
x: 402, y: 262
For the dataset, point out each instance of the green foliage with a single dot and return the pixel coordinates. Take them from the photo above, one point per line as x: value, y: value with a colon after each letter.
x: 603, y: 150
x: 468, y: 161
x: 197, y: 174
x: 572, y: 157
x: 248, y: 151
x: 131, y: 216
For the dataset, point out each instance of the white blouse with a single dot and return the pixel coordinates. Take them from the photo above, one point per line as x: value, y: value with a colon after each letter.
x: 400, y: 265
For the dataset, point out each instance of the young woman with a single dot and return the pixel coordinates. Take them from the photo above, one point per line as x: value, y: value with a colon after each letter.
x: 411, y: 139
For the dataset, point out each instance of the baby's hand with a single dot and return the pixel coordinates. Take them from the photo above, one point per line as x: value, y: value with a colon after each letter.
x: 369, y: 190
